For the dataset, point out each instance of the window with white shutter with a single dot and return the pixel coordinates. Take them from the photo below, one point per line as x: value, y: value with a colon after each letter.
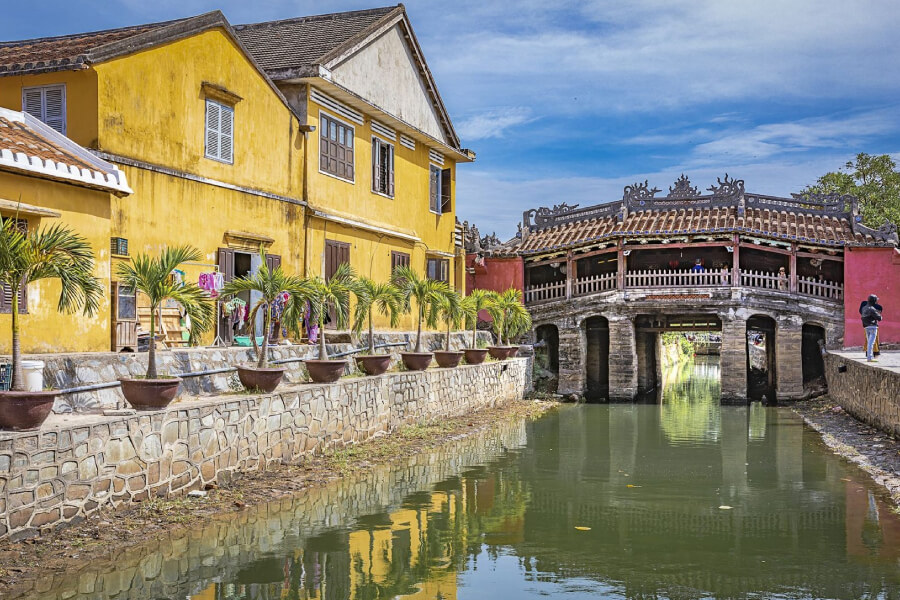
x: 382, y: 167
x: 219, y: 132
x: 47, y: 103
x: 434, y: 190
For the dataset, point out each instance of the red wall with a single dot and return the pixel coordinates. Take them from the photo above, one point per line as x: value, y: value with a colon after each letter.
x: 497, y: 274
x: 871, y: 271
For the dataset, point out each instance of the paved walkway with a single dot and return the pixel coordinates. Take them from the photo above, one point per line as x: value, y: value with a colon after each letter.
x: 887, y: 360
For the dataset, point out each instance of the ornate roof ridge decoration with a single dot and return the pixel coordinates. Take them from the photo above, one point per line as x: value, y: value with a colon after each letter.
x: 886, y: 233
x: 729, y: 188
x: 683, y: 190
x: 638, y: 193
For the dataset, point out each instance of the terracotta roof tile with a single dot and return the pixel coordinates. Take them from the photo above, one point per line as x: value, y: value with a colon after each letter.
x: 19, y: 138
x: 782, y: 225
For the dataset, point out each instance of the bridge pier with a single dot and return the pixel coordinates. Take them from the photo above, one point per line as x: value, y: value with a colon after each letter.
x: 733, y: 358
x: 623, y: 363
x: 647, y: 367
x: 789, y: 357
x: 572, y: 358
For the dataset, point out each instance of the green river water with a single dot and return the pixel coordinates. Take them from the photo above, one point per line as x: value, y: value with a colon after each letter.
x: 680, y: 499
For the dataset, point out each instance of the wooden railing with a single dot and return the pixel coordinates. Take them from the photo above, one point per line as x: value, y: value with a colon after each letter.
x: 545, y: 291
x: 765, y: 281
x: 674, y: 278
x: 594, y: 284
x: 820, y: 289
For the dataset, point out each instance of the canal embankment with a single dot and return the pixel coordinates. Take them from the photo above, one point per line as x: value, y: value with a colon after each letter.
x: 868, y: 391
x: 79, y: 464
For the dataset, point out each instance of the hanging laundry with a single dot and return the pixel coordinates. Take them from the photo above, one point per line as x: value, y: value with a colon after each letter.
x: 212, y: 282
x: 178, y: 277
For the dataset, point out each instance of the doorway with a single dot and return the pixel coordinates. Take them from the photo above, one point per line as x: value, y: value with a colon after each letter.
x: 762, y: 372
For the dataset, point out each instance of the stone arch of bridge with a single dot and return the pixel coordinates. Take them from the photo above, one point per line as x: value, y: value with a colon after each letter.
x: 596, y: 364
x: 546, y: 357
x: 812, y: 360
x: 762, y: 371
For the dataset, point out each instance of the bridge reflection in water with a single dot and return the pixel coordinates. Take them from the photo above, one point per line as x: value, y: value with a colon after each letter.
x: 683, y: 499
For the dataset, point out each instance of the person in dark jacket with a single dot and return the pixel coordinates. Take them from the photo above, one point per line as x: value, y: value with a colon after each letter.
x: 863, y: 304
x: 870, y: 318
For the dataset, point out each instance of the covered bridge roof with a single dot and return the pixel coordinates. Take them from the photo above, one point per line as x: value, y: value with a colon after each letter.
x: 825, y: 220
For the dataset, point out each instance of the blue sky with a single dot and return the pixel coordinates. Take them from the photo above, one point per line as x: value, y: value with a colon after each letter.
x: 569, y: 101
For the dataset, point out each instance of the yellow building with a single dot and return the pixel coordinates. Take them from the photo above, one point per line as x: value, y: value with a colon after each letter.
x: 45, y: 178
x: 381, y: 166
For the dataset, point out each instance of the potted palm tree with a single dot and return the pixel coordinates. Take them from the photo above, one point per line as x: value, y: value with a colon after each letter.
x: 510, y: 318
x: 427, y: 293
x: 152, y: 277
x: 474, y: 303
x: 387, y: 300
x: 449, y: 307
x: 518, y: 321
x: 329, y: 295
x: 271, y: 285
x: 54, y: 252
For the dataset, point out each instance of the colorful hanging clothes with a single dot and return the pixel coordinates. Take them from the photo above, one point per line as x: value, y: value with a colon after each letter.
x: 212, y: 282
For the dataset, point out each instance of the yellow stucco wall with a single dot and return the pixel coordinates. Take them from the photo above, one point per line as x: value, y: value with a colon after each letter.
x: 81, y: 99
x: 87, y: 212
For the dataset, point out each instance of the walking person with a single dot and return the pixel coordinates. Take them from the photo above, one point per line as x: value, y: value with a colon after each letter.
x: 870, y: 318
x: 862, y: 305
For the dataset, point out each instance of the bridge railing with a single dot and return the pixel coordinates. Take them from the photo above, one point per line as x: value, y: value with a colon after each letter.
x: 821, y: 289
x: 765, y: 281
x: 594, y: 284
x: 654, y: 278
x: 545, y: 292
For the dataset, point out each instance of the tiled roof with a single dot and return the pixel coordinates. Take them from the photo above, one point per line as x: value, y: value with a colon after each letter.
x: 765, y: 223
x: 29, y: 147
x: 304, y: 41
x: 63, y: 52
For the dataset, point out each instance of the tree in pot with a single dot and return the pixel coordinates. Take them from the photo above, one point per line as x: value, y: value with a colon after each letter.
x: 53, y: 252
x: 511, y: 319
x: 427, y: 294
x: 474, y: 303
x: 271, y: 285
x: 152, y: 277
x: 387, y: 300
x: 450, y: 311
x: 330, y: 295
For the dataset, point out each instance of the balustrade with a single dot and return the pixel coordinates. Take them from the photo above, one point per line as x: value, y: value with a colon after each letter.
x: 674, y: 278
x: 595, y: 284
x: 544, y: 292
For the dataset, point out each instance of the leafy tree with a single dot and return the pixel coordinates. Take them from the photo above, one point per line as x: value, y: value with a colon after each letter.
x: 270, y: 284
x: 510, y: 316
x: 331, y: 294
x: 874, y: 180
x: 427, y: 293
x: 475, y: 302
x: 53, y: 252
x: 151, y: 276
x: 450, y: 310
x: 370, y: 296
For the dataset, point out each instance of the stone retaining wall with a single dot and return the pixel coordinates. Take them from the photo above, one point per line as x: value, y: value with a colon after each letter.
x: 63, y: 371
x: 869, y: 393
x: 77, y: 464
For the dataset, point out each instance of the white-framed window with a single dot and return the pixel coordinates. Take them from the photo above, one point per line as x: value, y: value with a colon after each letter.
x: 439, y: 190
x: 382, y: 167
x: 219, y: 132
x: 335, y: 147
x: 47, y: 103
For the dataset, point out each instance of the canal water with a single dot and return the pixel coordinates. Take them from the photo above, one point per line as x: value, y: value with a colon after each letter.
x: 683, y: 499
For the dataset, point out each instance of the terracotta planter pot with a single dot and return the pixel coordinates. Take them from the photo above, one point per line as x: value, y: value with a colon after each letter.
x: 264, y: 380
x: 21, y: 411
x: 513, y: 351
x: 150, y: 394
x: 416, y: 361
x: 325, y: 371
x: 499, y: 352
x: 447, y: 360
x: 374, y: 364
x: 475, y: 356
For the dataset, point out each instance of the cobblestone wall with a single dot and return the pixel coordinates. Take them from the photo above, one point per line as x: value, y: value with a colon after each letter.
x: 870, y: 394
x: 67, y: 471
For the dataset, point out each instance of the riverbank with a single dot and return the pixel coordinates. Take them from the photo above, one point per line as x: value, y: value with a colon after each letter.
x: 110, y: 531
x: 875, y: 452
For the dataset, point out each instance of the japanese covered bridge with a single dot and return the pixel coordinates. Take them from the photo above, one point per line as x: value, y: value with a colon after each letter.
x: 603, y: 281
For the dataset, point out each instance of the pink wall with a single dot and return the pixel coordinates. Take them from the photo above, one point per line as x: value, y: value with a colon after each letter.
x: 497, y: 274
x: 871, y: 271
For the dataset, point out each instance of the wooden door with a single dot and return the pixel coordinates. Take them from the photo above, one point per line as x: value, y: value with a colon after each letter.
x: 336, y: 254
x: 225, y: 261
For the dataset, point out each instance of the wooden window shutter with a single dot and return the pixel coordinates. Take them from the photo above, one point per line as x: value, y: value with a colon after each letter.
x: 376, y: 164
x: 390, y: 170
x: 226, y: 134
x: 446, y: 206
x: 225, y: 259
x: 55, y: 108
x: 33, y: 102
x: 273, y: 261
x: 434, y: 190
x: 212, y: 130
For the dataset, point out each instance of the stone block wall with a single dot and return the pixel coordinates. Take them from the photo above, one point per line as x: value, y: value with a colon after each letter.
x: 789, y: 353
x: 63, y: 371
x: 869, y: 393
x: 623, y: 369
x: 81, y: 463
x: 733, y: 358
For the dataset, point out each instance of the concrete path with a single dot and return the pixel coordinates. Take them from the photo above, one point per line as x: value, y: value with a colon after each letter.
x: 889, y: 361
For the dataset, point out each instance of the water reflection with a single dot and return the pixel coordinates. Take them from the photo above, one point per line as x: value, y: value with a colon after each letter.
x: 682, y: 500
x: 690, y: 409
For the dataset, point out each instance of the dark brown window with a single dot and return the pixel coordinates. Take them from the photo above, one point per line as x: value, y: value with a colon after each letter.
x: 382, y: 167
x: 335, y: 148
x: 439, y: 269
x: 439, y: 191
x: 399, y: 259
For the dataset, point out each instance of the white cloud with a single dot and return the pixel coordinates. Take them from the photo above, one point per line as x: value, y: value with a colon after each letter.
x: 493, y: 123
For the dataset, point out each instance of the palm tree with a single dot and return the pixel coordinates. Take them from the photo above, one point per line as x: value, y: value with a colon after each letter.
x: 53, y: 252
x: 151, y: 276
x: 450, y: 311
x: 371, y: 295
x: 509, y: 314
x: 475, y: 302
x: 331, y: 294
x: 270, y: 284
x: 427, y: 293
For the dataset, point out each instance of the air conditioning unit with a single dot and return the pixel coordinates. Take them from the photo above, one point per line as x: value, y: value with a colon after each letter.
x: 119, y: 246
